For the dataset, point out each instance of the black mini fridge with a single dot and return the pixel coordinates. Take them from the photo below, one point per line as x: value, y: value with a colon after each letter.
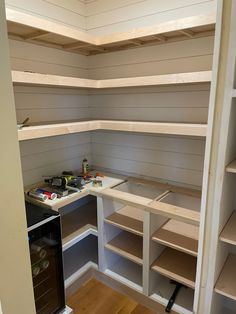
x: 44, y: 235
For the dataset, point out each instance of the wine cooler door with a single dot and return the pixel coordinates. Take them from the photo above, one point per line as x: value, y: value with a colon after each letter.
x: 47, y: 267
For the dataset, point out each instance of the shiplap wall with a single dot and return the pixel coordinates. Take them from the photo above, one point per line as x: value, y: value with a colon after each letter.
x: 174, y: 159
x: 106, y: 16
x: 71, y: 13
x: 50, y: 155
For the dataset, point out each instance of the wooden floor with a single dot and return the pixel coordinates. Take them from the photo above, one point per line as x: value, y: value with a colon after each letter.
x: 96, y: 298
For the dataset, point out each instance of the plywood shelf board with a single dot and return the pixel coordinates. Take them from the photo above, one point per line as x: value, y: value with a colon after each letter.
x: 228, y: 234
x: 75, y: 223
x: 226, y: 284
x: 127, y: 245
x: 231, y: 167
x: 26, y: 27
x: 180, y: 129
x: 32, y: 78
x: 177, y: 266
x: 179, y: 236
x: 127, y: 218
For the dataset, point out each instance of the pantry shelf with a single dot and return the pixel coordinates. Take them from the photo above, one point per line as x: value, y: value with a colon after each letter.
x: 177, y: 266
x: 30, y: 28
x: 78, y: 224
x: 179, y: 236
x: 226, y: 284
x: 39, y: 79
x: 127, y: 245
x: 127, y: 218
x: 181, y: 129
x: 228, y: 234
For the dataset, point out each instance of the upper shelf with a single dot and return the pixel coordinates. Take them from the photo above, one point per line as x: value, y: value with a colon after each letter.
x: 40, y: 31
x: 231, y: 167
x: 182, y: 129
x: 29, y: 78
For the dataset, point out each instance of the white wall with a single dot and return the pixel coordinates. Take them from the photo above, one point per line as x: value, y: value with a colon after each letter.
x: 107, y: 16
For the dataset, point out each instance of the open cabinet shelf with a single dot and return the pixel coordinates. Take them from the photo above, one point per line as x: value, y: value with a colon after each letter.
x: 181, y: 129
x: 78, y: 224
x: 38, y: 79
x: 228, y: 234
x: 127, y: 218
x: 178, y: 235
x: 226, y: 283
x: 127, y: 245
x: 177, y: 266
x: 26, y: 27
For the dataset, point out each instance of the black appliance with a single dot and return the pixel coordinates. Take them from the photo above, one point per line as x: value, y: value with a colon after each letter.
x: 44, y: 235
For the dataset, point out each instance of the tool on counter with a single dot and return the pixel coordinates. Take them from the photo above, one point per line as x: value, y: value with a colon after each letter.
x: 85, y: 166
x: 174, y: 295
x: 49, y: 194
x: 97, y: 183
x: 37, y: 195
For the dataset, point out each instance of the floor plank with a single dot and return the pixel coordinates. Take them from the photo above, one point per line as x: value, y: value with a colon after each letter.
x: 96, y: 298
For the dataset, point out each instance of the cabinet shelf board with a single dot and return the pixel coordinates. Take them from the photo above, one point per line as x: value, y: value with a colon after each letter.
x: 180, y: 129
x: 228, y: 234
x: 226, y: 284
x: 125, y: 220
x: 178, y: 235
x: 32, y: 78
x: 127, y: 245
x: 177, y: 266
x: 231, y: 167
x: 234, y: 93
x: 31, y: 28
x: 79, y: 223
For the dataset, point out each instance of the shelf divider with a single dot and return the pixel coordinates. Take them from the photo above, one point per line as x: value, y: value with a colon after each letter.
x: 228, y: 234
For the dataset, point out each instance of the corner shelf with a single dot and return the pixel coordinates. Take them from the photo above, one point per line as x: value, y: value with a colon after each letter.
x: 127, y: 218
x: 228, y: 234
x: 181, y: 129
x: 231, y: 167
x: 78, y: 224
x: 127, y: 245
x: 30, y: 28
x: 226, y: 284
x: 177, y: 266
x: 39, y: 79
x: 178, y: 235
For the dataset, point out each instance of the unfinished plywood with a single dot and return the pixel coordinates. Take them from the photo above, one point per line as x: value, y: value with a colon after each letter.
x: 77, y: 223
x: 226, y: 284
x: 127, y: 218
x: 181, y: 129
x: 31, y: 78
x: 31, y: 28
x: 177, y: 266
x: 231, y: 167
x: 127, y: 245
x: 228, y: 234
x: 178, y: 235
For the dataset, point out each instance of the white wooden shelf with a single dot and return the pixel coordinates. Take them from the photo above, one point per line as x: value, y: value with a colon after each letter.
x: 127, y: 218
x: 177, y: 266
x: 228, y: 234
x: 32, y: 78
x: 234, y: 93
x: 231, y: 167
x: 226, y: 283
x: 127, y: 245
x: 26, y: 27
x: 178, y: 235
x: 78, y: 224
x: 180, y: 129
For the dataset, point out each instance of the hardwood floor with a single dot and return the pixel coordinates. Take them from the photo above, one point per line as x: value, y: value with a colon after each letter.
x: 96, y: 298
